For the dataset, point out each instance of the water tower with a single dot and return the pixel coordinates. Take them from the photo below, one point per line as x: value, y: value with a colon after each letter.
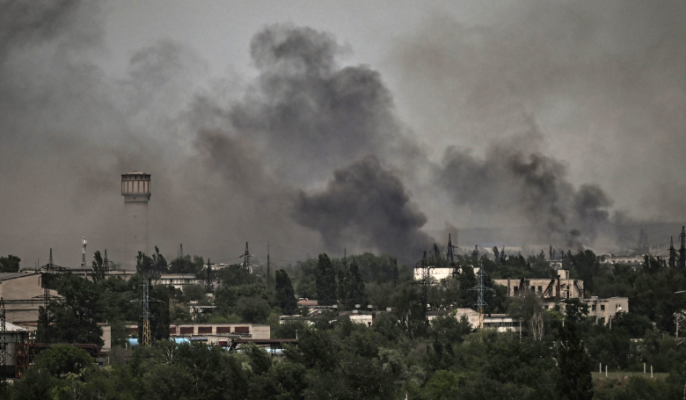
x: 135, y: 187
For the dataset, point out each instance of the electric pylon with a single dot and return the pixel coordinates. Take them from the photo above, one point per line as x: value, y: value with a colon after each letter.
x: 450, y: 256
x: 480, y: 302
x: 146, y: 337
x: 246, y: 258
x: 672, y: 253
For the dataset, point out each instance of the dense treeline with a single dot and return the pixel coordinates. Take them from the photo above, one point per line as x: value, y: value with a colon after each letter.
x: 401, y: 354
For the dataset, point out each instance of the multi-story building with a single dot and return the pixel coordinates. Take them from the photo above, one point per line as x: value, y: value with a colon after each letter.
x: 604, y: 310
x: 560, y: 287
x: 219, y: 334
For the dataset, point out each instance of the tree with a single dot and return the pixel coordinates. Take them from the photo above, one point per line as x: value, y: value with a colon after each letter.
x: 253, y: 309
x: 285, y: 294
x: 9, y: 263
x: 574, y: 382
x: 99, y: 267
x: 529, y: 308
x: 75, y: 317
x: 326, y: 281
x: 186, y: 265
x: 60, y: 359
x: 355, y: 287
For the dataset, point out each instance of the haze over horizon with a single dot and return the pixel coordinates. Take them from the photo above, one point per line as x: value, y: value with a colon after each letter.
x: 316, y: 127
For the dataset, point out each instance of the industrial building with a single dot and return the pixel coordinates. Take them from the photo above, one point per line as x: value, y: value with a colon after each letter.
x: 218, y: 334
x: 605, y: 310
x: 560, y: 287
x: 135, y: 187
x: 23, y: 294
x: 498, y: 322
x: 178, y: 281
x: 14, y: 337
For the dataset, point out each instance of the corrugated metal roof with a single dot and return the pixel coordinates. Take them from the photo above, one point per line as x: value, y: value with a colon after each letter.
x: 10, y: 327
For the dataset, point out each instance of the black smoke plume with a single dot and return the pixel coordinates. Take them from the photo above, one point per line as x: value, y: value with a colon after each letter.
x: 367, y: 206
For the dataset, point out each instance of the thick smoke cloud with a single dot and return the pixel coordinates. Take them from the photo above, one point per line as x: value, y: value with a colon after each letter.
x: 603, y: 81
x: 366, y: 205
x: 235, y: 161
x: 509, y: 182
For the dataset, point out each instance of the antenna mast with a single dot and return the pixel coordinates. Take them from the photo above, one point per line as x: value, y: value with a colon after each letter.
x: 268, y: 266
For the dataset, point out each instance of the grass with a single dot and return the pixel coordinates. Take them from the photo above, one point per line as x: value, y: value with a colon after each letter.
x: 618, y: 375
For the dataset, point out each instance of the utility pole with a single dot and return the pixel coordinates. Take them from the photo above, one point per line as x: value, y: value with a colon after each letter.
x: 672, y: 253
x: 268, y: 266
x: 180, y: 255
x: 682, y: 250
x: 209, y: 287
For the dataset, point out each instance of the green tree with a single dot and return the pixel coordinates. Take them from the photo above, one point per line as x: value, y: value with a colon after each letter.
x: 285, y: 294
x: 9, y: 263
x: 60, y: 359
x: 326, y: 281
x: 75, y: 317
x: 253, y: 309
x: 574, y: 381
x: 99, y: 267
x: 355, y: 287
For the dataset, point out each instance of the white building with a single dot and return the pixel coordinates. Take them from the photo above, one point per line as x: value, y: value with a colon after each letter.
x: 438, y: 274
x: 14, y: 337
x: 605, y: 310
x: 499, y: 322
x: 178, y: 281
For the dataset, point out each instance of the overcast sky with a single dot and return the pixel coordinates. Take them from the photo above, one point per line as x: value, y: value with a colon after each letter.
x: 565, y: 114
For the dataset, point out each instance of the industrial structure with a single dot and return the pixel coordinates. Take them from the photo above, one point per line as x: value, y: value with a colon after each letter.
x: 560, y: 287
x: 135, y: 187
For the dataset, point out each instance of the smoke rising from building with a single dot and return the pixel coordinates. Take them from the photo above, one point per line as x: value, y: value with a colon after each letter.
x: 312, y: 155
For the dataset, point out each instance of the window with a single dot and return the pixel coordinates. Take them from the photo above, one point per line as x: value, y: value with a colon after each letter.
x: 533, y: 289
x: 186, y: 330
x: 515, y: 289
x: 223, y: 329
x: 540, y: 289
x: 242, y: 329
x: 593, y: 307
x: 602, y: 307
x: 204, y: 329
x: 172, y: 330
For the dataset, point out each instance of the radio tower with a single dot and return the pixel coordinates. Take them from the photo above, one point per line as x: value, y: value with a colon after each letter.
x: 480, y: 302
x: 672, y: 253
x: 682, y: 250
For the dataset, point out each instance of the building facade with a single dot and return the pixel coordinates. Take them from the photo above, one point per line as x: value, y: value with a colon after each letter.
x: 560, y: 287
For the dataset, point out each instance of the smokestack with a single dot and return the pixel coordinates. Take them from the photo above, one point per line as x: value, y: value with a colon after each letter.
x: 135, y: 187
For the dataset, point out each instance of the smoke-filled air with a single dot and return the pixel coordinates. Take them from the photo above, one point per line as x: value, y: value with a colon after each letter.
x: 561, y: 121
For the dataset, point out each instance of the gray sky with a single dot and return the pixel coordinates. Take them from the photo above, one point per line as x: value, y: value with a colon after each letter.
x: 596, y: 91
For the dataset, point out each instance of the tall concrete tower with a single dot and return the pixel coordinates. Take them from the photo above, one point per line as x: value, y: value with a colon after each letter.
x: 135, y: 187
